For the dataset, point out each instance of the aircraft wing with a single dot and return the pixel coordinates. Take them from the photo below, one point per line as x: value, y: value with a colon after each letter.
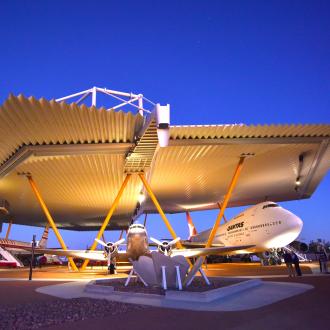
x: 188, y: 244
x: 82, y: 254
x: 197, y: 252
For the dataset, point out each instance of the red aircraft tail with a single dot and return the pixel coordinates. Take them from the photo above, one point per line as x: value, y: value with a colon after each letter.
x: 192, y: 229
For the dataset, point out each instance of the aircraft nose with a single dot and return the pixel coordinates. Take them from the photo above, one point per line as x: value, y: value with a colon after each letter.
x: 298, y: 223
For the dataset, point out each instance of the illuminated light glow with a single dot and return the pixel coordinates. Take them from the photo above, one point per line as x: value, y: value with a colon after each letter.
x: 195, y: 206
x: 242, y: 251
x: 141, y: 197
x: 283, y: 239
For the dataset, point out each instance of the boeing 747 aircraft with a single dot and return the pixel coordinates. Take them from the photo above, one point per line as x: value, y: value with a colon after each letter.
x: 266, y: 226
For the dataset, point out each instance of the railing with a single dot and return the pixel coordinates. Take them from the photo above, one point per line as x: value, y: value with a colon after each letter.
x: 301, y: 256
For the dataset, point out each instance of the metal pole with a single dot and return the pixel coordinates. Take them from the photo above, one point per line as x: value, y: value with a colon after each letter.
x: 94, y: 96
x: 108, y: 217
x: 50, y: 219
x: 224, y: 217
x: 225, y: 202
x: 32, y: 256
x: 140, y: 103
x: 8, y: 229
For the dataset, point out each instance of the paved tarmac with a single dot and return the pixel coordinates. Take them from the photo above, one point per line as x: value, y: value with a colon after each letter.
x: 226, y: 269
x: 309, y: 310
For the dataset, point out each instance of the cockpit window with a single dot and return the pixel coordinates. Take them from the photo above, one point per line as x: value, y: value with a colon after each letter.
x: 137, y: 225
x: 270, y: 205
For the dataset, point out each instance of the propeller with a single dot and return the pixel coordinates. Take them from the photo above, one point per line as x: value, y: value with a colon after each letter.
x: 110, y: 247
x: 165, y: 247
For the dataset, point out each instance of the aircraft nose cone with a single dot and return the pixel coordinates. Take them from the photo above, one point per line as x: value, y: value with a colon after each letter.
x: 298, y: 223
x: 296, y: 227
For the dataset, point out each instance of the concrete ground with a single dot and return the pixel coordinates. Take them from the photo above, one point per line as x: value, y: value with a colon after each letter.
x: 309, y: 310
x: 306, y: 311
x: 226, y: 269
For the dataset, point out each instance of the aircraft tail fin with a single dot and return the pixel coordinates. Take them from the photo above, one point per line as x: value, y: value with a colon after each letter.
x: 191, y: 226
x: 44, y: 238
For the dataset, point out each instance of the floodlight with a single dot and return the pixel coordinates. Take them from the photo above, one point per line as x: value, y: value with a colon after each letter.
x: 141, y: 197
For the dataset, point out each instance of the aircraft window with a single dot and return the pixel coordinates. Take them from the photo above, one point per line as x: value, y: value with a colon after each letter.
x: 270, y: 205
x: 137, y: 226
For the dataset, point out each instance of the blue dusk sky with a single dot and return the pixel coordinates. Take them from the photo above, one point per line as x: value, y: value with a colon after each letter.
x: 215, y: 62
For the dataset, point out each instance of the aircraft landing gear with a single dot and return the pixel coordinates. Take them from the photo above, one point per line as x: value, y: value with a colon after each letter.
x: 111, y: 269
x: 271, y: 258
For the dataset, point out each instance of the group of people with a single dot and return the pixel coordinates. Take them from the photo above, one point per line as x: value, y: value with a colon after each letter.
x: 291, y: 259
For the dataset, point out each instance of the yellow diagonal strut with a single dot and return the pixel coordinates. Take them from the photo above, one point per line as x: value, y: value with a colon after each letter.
x: 225, y: 202
x: 50, y: 219
x: 159, y: 209
x: 8, y: 229
x: 108, y: 217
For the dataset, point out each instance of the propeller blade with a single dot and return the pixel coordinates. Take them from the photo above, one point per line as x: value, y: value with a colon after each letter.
x: 119, y: 242
x: 100, y: 242
x: 174, y: 241
x: 156, y: 241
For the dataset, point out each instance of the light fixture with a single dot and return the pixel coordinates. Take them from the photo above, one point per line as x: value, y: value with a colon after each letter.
x: 141, y: 197
x: 298, y: 182
x: 163, y: 124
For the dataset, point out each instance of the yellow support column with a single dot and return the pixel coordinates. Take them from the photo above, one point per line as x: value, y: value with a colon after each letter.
x: 160, y: 211
x: 225, y: 202
x: 8, y: 229
x: 50, y: 219
x: 108, y: 217
x: 224, y: 217
x: 162, y: 214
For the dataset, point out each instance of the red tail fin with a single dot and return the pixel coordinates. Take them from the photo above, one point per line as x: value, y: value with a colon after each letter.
x: 44, y: 238
x: 192, y: 229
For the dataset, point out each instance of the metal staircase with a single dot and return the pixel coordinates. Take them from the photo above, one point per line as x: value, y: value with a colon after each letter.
x: 301, y: 256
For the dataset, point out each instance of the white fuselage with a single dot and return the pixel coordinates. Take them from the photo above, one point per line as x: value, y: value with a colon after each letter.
x: 265, y: 225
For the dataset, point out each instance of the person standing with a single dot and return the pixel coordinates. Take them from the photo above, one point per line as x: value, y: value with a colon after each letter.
x: 295, y: 261
x: 323, y: 259
x: 288, y: 261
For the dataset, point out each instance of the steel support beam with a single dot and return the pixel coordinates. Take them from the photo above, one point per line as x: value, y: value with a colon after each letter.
x: 108, y: 217
x: 225, y: 202
x: 50, y: 219
x: 160, y: 211
x: 26, y: 151
x: 258, y: 140
x: 224, y: 217
x: 8, y: 229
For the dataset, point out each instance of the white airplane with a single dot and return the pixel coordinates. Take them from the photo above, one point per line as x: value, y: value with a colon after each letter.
x: 263, y: 227
x: 11, y: 249
x: 266, y: 226
x: 18, y: 247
